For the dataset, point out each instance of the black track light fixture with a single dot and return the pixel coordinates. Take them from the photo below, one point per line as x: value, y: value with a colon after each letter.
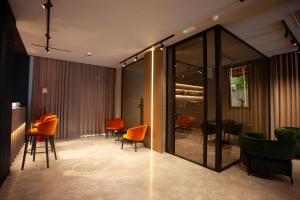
x: 47, y: 5
x: 48, y: 36
x: 289, y: 33
x: 47, y: 49
x: 161, y: 46
x: 294, y: 43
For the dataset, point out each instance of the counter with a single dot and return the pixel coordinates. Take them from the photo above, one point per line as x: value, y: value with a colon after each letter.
x: 18, y: 128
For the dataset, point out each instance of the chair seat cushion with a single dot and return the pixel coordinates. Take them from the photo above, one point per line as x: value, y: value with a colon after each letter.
x: 32, y: 131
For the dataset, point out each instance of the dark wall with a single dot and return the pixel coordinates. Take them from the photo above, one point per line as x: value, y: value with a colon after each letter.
x: 12, y: 80
x: 6, y: 86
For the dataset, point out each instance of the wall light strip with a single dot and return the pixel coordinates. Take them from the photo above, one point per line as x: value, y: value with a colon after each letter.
x: 152, y: 93
x: 188, y: 86
x: 189, y: 97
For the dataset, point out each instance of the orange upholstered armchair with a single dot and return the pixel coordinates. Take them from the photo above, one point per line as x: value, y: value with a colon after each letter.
x: 114, y: 125
x: 136, y: 134
x: 43, y: 118
x: 47, y: 131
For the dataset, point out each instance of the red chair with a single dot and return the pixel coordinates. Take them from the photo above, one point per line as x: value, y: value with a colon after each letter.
x: 114, y: 125
x: 185, y: 123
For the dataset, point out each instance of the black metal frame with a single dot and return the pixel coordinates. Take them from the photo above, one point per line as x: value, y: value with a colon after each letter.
x: 171, y: 96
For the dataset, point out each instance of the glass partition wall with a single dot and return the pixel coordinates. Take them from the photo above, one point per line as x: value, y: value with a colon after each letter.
x: 217, y: 89
x: 133, y: 94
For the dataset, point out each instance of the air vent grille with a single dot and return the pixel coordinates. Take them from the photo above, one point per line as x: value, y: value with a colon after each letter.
x: 296, y: 16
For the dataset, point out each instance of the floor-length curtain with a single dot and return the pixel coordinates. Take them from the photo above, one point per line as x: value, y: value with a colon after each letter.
x: 285, y: 89
x: 81, y: 95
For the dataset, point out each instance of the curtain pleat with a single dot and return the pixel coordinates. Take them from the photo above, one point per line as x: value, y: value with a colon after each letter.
x: 81, y: 95
x: 285, y: 77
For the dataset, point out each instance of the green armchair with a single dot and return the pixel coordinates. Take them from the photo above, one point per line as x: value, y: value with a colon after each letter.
x: 287, y: 133
x: 266, y: 156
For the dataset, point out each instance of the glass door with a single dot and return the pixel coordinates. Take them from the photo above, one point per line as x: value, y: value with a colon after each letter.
x: 189, y: 100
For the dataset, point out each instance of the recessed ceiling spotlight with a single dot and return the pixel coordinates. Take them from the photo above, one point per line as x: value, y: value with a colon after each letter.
x: 135, y: 58
x: 215, y: 18
x: 89, y: 53
x: 47, y: 5
x: 124, y: 64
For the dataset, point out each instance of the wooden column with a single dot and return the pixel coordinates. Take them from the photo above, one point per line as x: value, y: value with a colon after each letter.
x: 157, y: 99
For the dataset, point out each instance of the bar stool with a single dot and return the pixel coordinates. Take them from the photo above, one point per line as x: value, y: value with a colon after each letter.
x: 47, y: 130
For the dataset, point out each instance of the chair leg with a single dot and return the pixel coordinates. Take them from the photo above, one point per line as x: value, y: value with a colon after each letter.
x: 135, y: 148
x: 122, y: 143
x: 25, y: 151
x: 34, y: 147
x: 31, y: 139
x: 53, y: 146
x: 47, y: 155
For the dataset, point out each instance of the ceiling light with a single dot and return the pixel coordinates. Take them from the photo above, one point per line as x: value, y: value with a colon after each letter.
x: 174, y: 65
x: 47, y: 49
x: 47, y: 5
x: 124, y: 64
x: 89, y: 53
x: 215, y: 18
x: 161, y: 47
x: 135, y: 58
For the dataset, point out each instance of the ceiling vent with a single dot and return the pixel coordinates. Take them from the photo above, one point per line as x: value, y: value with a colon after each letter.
x: 296, y: 16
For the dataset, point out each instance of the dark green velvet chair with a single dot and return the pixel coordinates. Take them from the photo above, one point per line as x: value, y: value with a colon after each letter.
x: 266, y: 156
x: 286, y: 133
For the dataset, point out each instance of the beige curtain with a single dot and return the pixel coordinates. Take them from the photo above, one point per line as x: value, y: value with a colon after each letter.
x: 285, y: 90
x: 256, y: 117
x: 81, y: 95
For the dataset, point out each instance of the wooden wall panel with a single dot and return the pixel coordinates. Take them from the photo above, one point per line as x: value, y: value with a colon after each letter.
x: 147, y: 97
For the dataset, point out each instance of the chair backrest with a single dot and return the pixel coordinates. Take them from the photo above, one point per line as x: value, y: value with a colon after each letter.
x: 137, y: 133
x: 49, y: 117
x: 48, y: 127
x: 116, y: 123
x: 44, y: 116
x: 185, y: 121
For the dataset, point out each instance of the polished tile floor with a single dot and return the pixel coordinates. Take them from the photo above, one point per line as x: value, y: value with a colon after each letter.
x: 96, y: 168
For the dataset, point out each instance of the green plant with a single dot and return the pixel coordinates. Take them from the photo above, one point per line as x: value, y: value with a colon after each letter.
x: 239, y: 82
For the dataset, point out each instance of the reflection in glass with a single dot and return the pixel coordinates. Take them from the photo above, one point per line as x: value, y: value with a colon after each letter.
x: 189, y: 96
x: 239, y: 93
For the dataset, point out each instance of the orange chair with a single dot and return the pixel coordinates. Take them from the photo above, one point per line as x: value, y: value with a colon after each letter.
x: 136, y: 134
x: 43, y: 118
x: 47, y: 130
x: 114, y: 125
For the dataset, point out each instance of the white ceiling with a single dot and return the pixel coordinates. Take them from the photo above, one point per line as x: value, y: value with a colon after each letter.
x: 115, y: 29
